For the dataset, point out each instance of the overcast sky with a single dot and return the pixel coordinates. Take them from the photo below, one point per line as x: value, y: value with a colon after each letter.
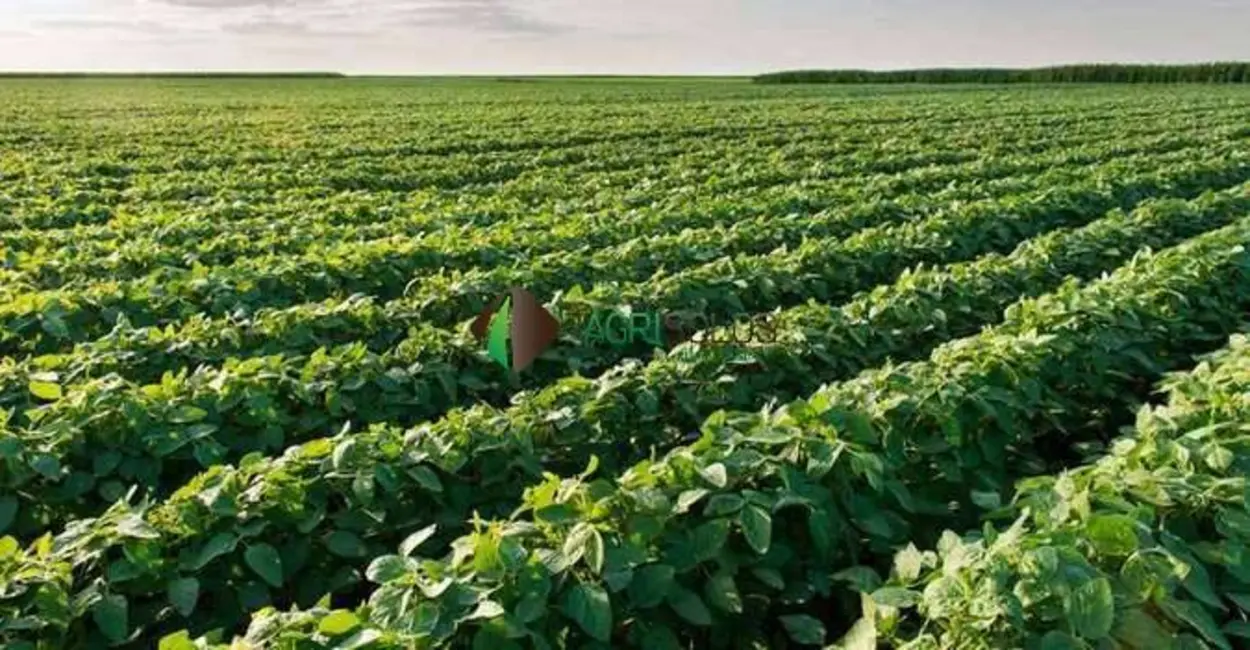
x: 609, y: 36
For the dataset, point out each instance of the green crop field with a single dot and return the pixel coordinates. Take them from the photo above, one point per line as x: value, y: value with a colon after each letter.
x: 995, y: 392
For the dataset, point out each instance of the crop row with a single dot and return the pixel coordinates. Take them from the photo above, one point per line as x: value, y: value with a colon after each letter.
x: 46, y: 259
x: 1144, y: 548
x: 378, y: 484
x: 99, y: 432
x: 108, y: 185
x: 163, y: 150
x: 766, y: 510
x: 384, y: 269
x: 155, y: 164
x: 465, y: 246
x: 97, y: 207
x: 147, y: 353
x: 137, y: 233
x: 105, y: 194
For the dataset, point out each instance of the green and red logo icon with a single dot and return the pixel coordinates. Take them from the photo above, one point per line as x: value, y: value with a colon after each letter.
x: 516, y: 329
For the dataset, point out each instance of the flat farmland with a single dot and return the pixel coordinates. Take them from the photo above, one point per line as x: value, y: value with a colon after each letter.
x: 993, y: 391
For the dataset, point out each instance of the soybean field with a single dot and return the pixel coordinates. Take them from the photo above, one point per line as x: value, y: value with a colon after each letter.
x: 995, y: 392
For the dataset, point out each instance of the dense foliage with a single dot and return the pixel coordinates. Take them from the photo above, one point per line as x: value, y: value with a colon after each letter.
x: 241, y: 407
x: 1146, y: 546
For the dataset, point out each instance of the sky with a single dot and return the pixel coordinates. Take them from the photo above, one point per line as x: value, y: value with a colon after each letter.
x: 609, y: 36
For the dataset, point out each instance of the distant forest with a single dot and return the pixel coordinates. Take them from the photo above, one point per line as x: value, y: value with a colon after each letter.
x: 1226, y: 72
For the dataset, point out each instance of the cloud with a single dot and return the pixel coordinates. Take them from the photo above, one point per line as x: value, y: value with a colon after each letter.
x: 227, y: 4
x: 112, y: 24
x: 329, y: 18
x: 493, y: 16
x: 271, y: 27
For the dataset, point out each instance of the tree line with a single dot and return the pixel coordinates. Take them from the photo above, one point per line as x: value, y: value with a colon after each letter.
x: 1218, y: 72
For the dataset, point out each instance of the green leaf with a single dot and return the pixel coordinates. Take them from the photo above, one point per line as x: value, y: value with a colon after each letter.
x: 346, y: 544
x: 218, y: 545
x: 1198, y: 583
x: 385, y: 568
x: 687, y: 499
x: 122, y: 570
x: 265, y: 561
x: 650, y: 585
x: 531, y: 608
x: 1091, y: 609
x: 709, y: 538
x: 1113, y: 535
x: 363, y: 489
x: 715, y: 474
x: 723, y: 504
x: 823, y: 457
x: 896, y: 597
x: 45, y: 390
x: 557, y: 513
x: 1198, y: 617
x: 588, y: 606
x: 689, y: 606
x: 425, y: 617
x: 426, y: 478
x: 486, y: 610
x: 908, y: 563
x: 722, y: 593
x: 416, y: 539
x: 861, y: 636
x: 822, y: 534
x: 770, y: 577
x: 46, y: 464
x: 1219, y: 458
x: 183, y: 594
x: 338, y: 622
x: 103, y: 464
x: 593, y: 551
x: 203, y: 430
x: 864, y: 579
x: 187, y: 414
x: 342, y: 454
x: 364, y: 639
x: 8, y: 546
x: 111, y: 614
x: 757, y: 526
x: 617, y: 578
x: 176, y: 641
x: 1137, y: 629
x: 134, y: 526
x: 54, y: 325
x: 804, y: 630
x: 987, y: 500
